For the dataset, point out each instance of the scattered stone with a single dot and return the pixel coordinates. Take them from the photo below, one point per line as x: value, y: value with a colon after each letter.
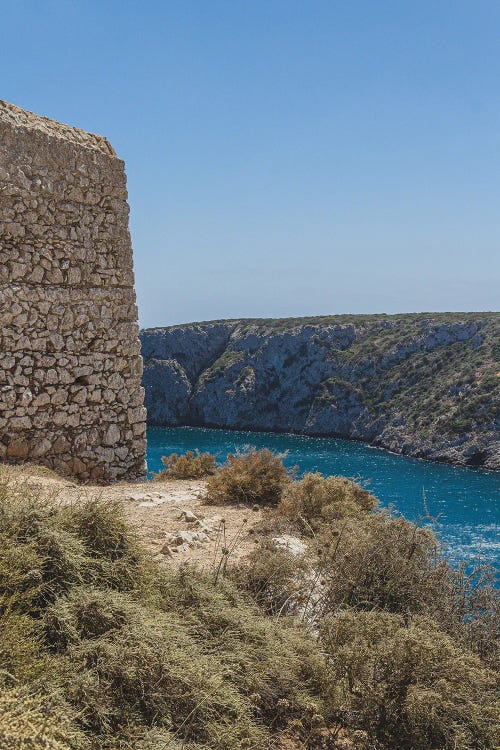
x: 291, y: 544
x: 191, y: 538
x: 189, y: 516
x: 149, y: 499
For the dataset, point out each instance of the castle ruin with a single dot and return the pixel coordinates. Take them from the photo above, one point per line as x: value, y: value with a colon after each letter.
x: 70, y: 362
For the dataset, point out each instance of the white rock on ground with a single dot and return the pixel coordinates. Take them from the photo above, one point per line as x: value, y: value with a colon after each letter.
x: 291, y: 544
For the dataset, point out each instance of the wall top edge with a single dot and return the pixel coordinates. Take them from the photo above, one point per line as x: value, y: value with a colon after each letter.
x: 16, y: 117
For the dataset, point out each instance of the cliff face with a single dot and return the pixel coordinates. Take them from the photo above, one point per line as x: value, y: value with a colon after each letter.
x: 425, y: 385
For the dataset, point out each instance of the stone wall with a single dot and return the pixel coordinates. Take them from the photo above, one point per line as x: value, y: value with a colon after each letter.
x: 70, y: 364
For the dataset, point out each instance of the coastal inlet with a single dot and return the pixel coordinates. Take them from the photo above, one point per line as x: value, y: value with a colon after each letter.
x: 465, y: 502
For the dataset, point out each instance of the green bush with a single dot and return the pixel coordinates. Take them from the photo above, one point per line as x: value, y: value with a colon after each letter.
x: 409, y: 685
x: 316, y: 500
x: 190, y: 465
x: 255, y: 477
x: 113, y: 653
x: 277, y: 581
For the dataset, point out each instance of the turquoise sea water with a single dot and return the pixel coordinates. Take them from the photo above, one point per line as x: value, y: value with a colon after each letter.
x: 466, y: 501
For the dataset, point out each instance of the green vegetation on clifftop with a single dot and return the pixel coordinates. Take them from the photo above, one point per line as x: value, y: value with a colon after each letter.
x: 425, y: 384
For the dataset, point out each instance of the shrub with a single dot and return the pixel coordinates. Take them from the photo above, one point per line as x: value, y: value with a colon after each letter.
x: 368, y: 561
x: 114, y: 555
x: 40, y: 558
x: 278, y: 581
x: 478, y: 607
x: 384, y: 563
x: 85, y: 613
x: 316, y: 500
x: 158, y: 659
x: 389, y: 564
x: 21, y: 648
x: 30, y: 718
x: 47, y: 548
x: 255, y: 476
x: 191, y: 465
x: 196, y: 660
x: 409, y: 685
x: 152, y: 658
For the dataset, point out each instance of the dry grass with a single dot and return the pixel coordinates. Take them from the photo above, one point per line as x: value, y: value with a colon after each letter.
x: 316, y: 500
x: 252, y: 477
x: 31, y: 719
x: 144, y: 658
x: 102, y: 650
x: 190, y: 465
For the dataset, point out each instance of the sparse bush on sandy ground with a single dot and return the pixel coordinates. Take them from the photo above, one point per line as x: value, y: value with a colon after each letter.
x: 316, y: 500
x: 252, y: 477
x: 107, y: 651
x: 410, y: 641
x: 190, y: 465
x: 102, y: 650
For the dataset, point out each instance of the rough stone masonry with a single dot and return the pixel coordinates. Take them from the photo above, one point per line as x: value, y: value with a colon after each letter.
x: 70, y: 363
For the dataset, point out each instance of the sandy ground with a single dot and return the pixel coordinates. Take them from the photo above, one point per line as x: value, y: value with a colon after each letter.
x: 170, y: 516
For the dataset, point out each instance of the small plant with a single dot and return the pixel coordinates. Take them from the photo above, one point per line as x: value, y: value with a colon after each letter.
x: 316, y: 500
x: 190, y: 465
x: 383, y: 563
x: 277, y: 581
x: 225, y: 548
x: 253, y: 477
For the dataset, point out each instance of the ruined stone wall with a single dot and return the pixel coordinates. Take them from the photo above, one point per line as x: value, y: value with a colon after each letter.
x: 70, y: 364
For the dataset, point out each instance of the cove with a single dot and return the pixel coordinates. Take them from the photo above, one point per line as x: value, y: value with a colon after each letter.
x: 464, y: 500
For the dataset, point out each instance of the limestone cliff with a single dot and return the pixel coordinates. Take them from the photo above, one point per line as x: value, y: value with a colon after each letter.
x: 424, y: 385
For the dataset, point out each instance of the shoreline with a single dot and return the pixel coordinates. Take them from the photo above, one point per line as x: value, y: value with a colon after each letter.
x: 327, y: 436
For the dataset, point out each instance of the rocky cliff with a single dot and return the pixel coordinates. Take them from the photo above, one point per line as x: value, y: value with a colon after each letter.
x: 424, y: 385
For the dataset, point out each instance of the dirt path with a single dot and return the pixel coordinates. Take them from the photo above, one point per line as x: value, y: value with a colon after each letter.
x: 170, y: 517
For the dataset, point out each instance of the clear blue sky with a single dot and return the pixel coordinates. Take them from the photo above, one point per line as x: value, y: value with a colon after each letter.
x: 284, y: 158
